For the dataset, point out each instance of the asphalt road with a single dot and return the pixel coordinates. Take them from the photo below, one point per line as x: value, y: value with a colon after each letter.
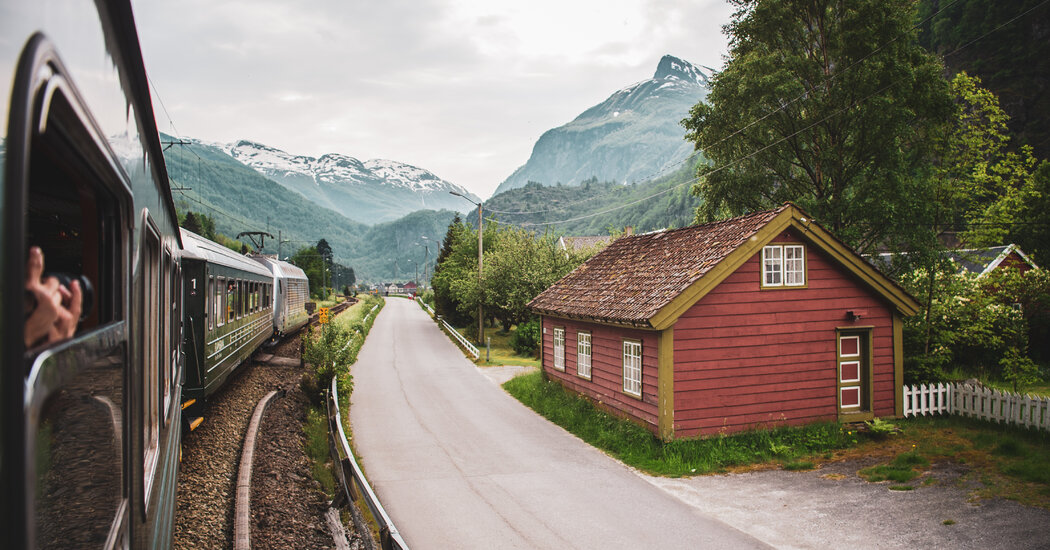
x: 459, y: 464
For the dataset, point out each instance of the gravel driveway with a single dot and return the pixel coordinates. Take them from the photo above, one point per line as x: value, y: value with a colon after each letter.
x: 832, y: 507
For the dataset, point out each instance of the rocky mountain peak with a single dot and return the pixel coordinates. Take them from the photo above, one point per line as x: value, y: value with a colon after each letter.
x: 671, y: 67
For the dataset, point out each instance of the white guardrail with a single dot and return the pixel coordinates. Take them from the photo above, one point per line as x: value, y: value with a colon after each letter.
x: 455, y: 333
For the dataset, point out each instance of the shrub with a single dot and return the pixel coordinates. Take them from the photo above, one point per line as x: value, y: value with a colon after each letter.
x: 329, y: 355
x: 526, y: 339
x: 977, y: 324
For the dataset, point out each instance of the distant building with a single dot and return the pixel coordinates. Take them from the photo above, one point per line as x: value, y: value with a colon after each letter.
x: 982, y: 261
x: 584, y: 242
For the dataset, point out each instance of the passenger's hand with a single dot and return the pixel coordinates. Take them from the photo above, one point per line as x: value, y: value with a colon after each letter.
x: 57, y: 310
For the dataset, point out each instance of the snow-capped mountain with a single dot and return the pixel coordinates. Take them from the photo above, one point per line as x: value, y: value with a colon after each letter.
x: 632, y: 136
x: 370, y: 192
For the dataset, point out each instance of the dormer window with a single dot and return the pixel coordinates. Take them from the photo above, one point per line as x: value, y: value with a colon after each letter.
x: 783, y: 265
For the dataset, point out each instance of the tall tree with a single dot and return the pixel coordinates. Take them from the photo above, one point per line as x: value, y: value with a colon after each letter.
x: 448, y: 269
x: 830, y: 104
x: 994, y: 194
x: 191, y: 223
x: 325, y: 250
x: 1011, y: 57
x: 309, y: 260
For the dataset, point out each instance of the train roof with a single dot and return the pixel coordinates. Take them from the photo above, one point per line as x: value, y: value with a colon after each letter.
x: 280, y: 269
x: 195, y: 246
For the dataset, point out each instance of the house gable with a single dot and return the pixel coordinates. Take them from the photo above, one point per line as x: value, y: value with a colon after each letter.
x: 746, y: 355
x: 812, y: 234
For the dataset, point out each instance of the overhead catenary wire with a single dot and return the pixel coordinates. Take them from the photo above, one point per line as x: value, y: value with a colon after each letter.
x: 233, y: 217
x: 781, y: 140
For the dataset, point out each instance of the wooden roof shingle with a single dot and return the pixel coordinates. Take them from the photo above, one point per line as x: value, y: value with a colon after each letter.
x: 634, y: 277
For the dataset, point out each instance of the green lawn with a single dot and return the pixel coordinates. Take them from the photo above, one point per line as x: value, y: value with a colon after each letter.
x: 500, y: 351
x: 639, y: 448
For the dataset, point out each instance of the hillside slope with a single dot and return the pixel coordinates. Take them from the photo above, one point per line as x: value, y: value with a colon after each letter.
x: 240, y: 199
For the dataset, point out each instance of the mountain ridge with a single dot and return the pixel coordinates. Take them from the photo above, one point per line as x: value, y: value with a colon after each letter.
x: 371, y: 191
x: 633, y: 135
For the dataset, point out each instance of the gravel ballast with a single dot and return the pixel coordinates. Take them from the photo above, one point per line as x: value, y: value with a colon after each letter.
x: 288, y: 506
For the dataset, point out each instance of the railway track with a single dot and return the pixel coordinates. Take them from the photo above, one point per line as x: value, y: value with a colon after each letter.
x: 287, y: 505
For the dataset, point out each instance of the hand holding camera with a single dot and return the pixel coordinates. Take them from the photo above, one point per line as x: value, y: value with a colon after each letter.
x: 52, y: 308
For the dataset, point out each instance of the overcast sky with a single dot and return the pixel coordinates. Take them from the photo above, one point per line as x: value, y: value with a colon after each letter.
x: 462, y: 88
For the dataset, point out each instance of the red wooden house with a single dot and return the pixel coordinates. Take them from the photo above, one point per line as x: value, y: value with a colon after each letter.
x: 762, y: 319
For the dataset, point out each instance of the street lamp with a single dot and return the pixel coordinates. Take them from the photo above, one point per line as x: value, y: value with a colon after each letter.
x: 426, y: 256
x: 481, y: 318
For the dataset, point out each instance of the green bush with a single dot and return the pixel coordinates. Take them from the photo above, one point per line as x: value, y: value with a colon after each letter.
x: 979, y: 325
x: 526, y: 339
x: 328, y: 355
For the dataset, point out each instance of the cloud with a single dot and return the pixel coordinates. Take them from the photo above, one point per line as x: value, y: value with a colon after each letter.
x: 460, y: 87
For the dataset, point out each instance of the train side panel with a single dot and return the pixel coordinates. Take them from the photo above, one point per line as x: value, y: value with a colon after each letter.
x: 89, y: 426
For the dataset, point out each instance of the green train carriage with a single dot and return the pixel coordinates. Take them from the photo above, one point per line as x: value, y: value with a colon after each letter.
x: 228, y: 314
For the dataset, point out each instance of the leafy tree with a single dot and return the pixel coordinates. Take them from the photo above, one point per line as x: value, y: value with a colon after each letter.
x: 980, y: 325
x: 448, y: 269
x: 996, y: 195
x: 1013, y: 60
x: 309, y: 260
x: 518, y: 265
x: 830, y: 105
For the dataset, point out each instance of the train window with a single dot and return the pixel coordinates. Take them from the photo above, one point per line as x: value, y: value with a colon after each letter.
x: 210, y: 302
x: 167, y: 294
x: 72, y: 212
x: 149, y: 282
x: 220, y: 302
x: 231, y: 292
x: 65, y: 192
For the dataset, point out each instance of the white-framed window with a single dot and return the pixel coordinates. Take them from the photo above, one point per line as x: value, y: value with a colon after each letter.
x: 583, y: 354
x: 784, y: 265
x: 559, y: 349
x: 632, y: 367
x: 212, y: 299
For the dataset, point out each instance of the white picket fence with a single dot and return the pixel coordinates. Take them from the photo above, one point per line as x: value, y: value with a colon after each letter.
x: 978, y: 402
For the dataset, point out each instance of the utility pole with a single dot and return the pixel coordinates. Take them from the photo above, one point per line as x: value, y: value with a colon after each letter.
x: 481, y: 230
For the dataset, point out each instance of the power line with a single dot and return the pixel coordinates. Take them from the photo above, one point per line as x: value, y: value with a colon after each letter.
x: 804, y: 95
x: 781, y: 140
x: 247, y: 224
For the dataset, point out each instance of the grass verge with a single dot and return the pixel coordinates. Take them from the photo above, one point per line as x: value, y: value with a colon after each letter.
x: 639, y: 448
x: 356, y: 322
x: 997, y: 461
x: 1003, y: 461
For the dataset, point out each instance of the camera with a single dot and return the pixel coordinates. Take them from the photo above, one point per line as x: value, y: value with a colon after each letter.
x: 87, y: 292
